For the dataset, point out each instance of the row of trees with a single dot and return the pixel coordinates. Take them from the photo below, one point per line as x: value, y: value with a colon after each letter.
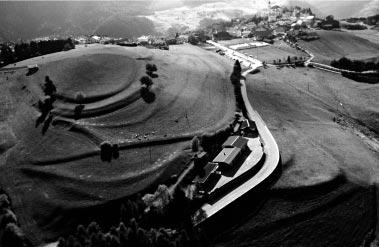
x: 129, y: 235
x: 11, y: 234
x: 354, y: 65
x: 147, y: 82
x: 24, y: 51
x: 46, y: 105
x: 370, y: 20
x: 136, y: 216
x: 289, y: 60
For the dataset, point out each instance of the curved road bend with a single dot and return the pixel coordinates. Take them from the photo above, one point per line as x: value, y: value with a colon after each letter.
x: 270, y: 147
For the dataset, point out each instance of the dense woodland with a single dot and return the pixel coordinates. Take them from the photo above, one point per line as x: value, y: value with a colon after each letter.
x: 24, y: 51
x: 354, y: 65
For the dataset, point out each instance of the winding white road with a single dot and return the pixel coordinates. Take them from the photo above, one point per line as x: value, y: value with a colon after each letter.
x: 270, y: 146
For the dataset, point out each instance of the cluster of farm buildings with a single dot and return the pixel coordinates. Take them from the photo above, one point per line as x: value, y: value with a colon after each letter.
x: 229, y: 158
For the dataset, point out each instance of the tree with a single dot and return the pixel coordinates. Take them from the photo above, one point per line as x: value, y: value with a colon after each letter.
x: 13, y: 236
x: 145, y: 80
x: 93, y: 228
x: 237, y: 67
x: 151, y: 67
x: 106, y: 151
x: 4, y: 201
x: 329, y: 18
x: 288, y: 59
x: 78, y: 111
x: 6, y: 55
x: 79, y: 97
x: 49, y: 87
x: 61, y: 242
x: 236, y: 74
x: 192, y: 40
x: 7, y: 217
x: 195, y: 144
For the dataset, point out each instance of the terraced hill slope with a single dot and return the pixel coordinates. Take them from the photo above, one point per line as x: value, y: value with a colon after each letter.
x: 57, y: 179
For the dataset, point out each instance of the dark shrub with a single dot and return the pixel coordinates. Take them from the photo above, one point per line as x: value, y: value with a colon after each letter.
x: 106, y: 151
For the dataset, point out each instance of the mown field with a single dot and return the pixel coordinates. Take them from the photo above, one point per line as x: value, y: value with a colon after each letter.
x: 278, y: 50
x: 57, y: 179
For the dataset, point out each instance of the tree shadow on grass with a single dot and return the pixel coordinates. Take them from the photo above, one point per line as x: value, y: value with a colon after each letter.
x: 46, y: 124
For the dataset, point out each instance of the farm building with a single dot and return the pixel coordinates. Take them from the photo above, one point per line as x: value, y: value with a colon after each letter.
x: 228, y: 157
x: 237, y: 142
x: 208, y: 170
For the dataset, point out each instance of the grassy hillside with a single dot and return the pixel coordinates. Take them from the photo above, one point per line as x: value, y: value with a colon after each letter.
x: 311, y: 205
x: 62, y: 167
x: 334, y: 45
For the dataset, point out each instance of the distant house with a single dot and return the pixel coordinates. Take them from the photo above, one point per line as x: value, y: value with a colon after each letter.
x: 279, y: 30
x: 95, y: 39
x: 261, y: 33
x: 81, y: 40
x: 143, y: 39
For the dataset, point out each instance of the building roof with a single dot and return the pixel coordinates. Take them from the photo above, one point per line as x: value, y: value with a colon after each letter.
x: 227, y: 155
x: 209, y: 169
x: 143, y: 38
x: 95, y: 37
x: 235, y: 141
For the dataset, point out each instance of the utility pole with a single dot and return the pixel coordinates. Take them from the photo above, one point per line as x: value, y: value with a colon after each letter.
x: 187, y: 119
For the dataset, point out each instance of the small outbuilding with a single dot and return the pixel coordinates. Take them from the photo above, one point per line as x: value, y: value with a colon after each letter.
x: 208, y: 170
